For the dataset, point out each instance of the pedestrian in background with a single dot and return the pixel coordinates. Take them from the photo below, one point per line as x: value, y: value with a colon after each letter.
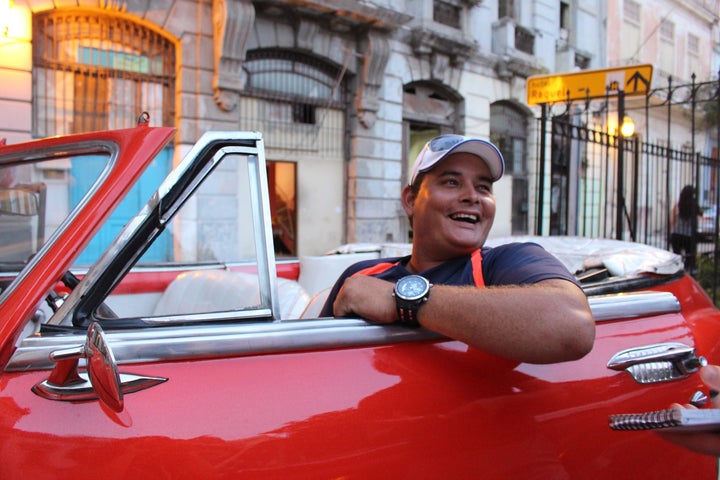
x: 684, y: 226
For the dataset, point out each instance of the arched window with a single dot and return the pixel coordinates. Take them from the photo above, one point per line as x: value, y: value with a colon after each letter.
x: 94, y: 70
x: 295, y: 96
x: 293, y: 76
x: 300, y: 104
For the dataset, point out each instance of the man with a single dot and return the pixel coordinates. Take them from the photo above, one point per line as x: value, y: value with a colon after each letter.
x: 516, y: 301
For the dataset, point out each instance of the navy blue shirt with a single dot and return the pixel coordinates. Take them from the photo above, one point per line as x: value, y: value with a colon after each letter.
x: 510, y: 264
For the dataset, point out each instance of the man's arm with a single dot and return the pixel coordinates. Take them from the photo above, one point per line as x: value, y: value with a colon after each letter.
x: 546, y: 322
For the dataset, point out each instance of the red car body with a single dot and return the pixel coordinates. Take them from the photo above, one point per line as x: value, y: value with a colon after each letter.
x: 248, y: 393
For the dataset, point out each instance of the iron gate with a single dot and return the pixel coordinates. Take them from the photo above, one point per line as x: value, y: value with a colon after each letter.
x: 595, y: 182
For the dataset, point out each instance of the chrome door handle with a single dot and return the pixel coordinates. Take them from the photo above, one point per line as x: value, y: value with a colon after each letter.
x: 660, y: 362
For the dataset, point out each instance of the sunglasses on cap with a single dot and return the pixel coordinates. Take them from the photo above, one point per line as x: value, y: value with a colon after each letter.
x: 445, y: 142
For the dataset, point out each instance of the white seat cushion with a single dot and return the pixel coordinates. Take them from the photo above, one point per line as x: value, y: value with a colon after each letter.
x: 221, y: 290
x: 209, y: 291
x: 315, y: 304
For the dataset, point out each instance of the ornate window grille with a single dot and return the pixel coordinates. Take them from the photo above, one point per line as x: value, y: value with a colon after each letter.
x: 96, y: 71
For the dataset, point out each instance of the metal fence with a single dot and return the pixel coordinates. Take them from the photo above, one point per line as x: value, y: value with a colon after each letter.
x: 604, y: 184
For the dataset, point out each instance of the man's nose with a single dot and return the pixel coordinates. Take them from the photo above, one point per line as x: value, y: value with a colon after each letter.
x: 470, y: 193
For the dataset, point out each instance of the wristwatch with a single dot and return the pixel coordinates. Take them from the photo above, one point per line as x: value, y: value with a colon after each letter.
x: 410, y: 293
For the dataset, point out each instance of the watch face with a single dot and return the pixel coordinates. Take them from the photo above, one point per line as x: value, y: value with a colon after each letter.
x: 412, y: 287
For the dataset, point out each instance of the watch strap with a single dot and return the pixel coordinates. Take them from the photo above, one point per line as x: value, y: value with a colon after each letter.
x: 407, y: 312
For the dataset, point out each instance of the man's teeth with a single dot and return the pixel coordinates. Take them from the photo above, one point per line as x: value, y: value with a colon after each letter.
x: 465, y: 217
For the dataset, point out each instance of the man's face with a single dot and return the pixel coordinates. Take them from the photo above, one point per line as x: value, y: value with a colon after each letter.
x: 454, y: 208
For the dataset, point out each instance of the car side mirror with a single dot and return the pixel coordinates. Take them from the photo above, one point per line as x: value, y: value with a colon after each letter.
x: 102, y: 368
x: 101, y: 381
x: 20, y: 200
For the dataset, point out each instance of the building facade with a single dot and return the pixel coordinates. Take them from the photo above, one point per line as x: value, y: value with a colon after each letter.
x: 345, y: 92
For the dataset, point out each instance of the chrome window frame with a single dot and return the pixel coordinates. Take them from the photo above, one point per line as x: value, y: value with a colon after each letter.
x: 174, y: 191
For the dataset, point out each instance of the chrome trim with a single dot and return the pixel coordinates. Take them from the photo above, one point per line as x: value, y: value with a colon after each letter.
x: 197, y: 148
x: 659, y: 362
x: 83, y: 390
x: 258, y: 337
x: 250, y: 313
x: 262, y: 221
x: 212, y: 341
x: 633, y: 305
x: 698, y: 399
x: 63, y: 316
x: 649, y: 353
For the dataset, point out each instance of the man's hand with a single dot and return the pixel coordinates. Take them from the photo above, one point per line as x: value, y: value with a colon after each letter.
x: 701, y: 442
x: 366, y: 297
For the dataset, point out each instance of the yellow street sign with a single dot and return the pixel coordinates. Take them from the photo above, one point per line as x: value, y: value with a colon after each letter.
x: 632, y: 80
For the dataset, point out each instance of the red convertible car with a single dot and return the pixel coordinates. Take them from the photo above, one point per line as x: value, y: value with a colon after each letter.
x: 171, y: 343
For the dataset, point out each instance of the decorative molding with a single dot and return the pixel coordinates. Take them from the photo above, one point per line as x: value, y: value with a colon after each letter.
x: 232, y: 23
x: 439, y: 64
x: 509, y: 66
x: 352, y: 13
x: 376, y: 55
x: 442, y: 51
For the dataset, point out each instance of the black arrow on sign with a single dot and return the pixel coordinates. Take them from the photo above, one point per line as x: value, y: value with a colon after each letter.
x: 635, y: 78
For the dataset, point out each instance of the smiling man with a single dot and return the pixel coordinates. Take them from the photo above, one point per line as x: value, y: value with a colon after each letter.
x: 515, y: 300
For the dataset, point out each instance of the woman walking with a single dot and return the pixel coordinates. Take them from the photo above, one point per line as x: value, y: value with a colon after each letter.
x: 683, y: 227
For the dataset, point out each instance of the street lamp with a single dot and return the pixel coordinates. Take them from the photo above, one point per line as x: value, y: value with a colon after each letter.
x: 627, y: 129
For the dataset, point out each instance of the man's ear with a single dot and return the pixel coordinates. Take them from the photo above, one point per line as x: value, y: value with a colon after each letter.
x: 408, y: 201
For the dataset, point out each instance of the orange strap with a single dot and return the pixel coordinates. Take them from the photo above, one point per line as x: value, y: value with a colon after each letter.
x: 476, y: 260
x: 375, y: 269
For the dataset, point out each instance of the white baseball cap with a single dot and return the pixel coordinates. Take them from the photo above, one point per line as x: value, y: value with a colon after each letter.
x: 440, y: 147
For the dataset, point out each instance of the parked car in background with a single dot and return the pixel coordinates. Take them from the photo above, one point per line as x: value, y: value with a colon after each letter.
x: 185, y: 349
x: 706, y: 224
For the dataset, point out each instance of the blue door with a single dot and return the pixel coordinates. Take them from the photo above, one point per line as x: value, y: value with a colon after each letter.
x: 85, y: 170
